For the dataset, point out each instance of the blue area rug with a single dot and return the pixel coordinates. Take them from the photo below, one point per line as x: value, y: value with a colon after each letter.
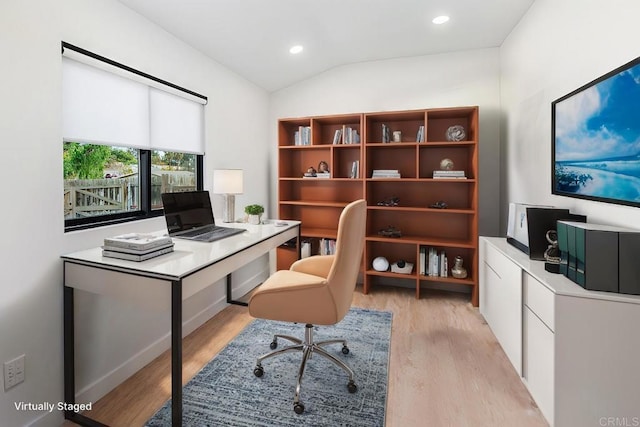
x: 227, y: 393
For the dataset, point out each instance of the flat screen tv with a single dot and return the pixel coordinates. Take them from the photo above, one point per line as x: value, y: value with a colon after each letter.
x: 596, y: 139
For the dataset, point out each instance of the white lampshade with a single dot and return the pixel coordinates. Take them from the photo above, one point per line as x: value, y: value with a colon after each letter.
x: 227, y: 181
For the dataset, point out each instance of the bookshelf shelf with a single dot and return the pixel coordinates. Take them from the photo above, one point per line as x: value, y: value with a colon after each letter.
x: 314, y: 203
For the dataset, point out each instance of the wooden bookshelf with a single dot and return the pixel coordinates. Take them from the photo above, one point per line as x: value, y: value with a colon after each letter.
x: 317, y: 202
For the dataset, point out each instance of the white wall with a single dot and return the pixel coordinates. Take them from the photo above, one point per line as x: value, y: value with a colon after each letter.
x: 114, y: 338
x: 445, y: 80
x: 556, y: 48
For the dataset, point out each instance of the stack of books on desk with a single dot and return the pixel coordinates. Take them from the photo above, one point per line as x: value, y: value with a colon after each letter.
x: 136, y: 246
x: 444, y: 174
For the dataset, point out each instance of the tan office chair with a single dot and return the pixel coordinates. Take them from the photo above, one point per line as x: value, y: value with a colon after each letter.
x: 315, y: 291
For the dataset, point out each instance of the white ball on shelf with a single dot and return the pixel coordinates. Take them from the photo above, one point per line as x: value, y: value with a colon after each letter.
x: 380, y: 264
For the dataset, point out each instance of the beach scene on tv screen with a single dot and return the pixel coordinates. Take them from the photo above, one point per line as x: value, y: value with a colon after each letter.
x: 597, y: 139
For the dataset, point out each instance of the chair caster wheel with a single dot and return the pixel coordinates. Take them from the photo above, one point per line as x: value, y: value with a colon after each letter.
x: 258, y: 371
x: 345, y: 349
x: 352, y: 387
x: 273, y: 345
x: 298, y: 408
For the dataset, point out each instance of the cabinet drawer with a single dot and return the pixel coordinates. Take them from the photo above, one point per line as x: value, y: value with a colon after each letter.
x: 496, y: 260
x: 501, y: 301
x: 539, y: 299
x: 538, y: 362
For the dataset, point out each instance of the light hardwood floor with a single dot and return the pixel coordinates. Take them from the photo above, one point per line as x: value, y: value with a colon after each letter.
x: 446, y: 367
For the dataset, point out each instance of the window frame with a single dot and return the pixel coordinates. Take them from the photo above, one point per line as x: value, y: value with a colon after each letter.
x: 144, y: 177
x: 145, y: 211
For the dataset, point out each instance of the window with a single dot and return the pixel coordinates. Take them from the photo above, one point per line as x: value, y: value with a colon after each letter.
x: 100, y: 180
x: 128, y: 137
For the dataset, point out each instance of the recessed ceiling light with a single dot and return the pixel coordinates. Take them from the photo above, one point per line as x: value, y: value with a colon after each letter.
x: 295, y: 49
x: 440, y: 19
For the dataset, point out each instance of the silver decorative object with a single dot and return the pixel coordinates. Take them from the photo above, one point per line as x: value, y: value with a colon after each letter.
x: 552, y: 254
x: 446, y: 164
x: 458, y: 271
x: 456, y: 133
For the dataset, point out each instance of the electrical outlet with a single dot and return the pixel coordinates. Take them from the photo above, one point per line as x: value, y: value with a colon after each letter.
x: 19, y: 365
x: 13, y: 372
x: 9, y: 375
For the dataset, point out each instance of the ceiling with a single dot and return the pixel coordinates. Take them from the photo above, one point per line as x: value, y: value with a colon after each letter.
x: 253, y: 37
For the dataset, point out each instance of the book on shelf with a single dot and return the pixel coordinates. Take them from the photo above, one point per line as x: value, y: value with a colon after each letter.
x: 433, y: 263
x: 302, y: 136
x: 320, y: 175
x: 385, y: 173
x: 355, y: 169
x: 350, y: 135
x: 449, y: 174
x: 336, y: 136
x: 136, y: 251
x: 134, y: 257
x: 444, y: 265
x: 139, y: 241
x: 420, y: 135
x: 386, y: 134
x: 305, y: 249
x: 327, y: 247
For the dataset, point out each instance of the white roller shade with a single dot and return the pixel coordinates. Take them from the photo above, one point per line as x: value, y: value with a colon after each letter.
x: 104, y: 102
x: 176, y: 123
x: 122, y: 70
x: 103, y: 108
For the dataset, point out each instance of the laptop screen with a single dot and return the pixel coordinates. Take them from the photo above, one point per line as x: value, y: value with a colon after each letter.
x: 184, y: 211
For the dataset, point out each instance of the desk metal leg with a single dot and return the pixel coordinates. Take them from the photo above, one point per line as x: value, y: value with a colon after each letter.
x: 69, y: 344
x: 230, y: 299
x: 176, y: 353
x: 69, y: 362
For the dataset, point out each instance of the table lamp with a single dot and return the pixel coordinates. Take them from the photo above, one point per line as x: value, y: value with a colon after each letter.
x: 228, y: 182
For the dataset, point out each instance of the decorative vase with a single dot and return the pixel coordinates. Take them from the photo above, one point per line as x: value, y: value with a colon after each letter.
x: 254, y: 219
x: 458, y: 271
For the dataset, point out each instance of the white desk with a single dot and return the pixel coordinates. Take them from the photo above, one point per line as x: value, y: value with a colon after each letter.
x: 190, y: 268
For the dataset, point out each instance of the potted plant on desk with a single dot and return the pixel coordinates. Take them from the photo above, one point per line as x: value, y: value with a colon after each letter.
x: 254, y: 212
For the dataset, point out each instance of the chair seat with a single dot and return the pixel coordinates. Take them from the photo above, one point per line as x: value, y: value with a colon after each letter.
x: 292, y: 296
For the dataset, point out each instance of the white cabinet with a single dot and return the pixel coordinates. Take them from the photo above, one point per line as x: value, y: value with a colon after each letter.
x: 500, y: 301
x: 578, y: 349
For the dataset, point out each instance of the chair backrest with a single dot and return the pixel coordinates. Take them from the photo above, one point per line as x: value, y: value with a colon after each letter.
x: 344, y: 271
